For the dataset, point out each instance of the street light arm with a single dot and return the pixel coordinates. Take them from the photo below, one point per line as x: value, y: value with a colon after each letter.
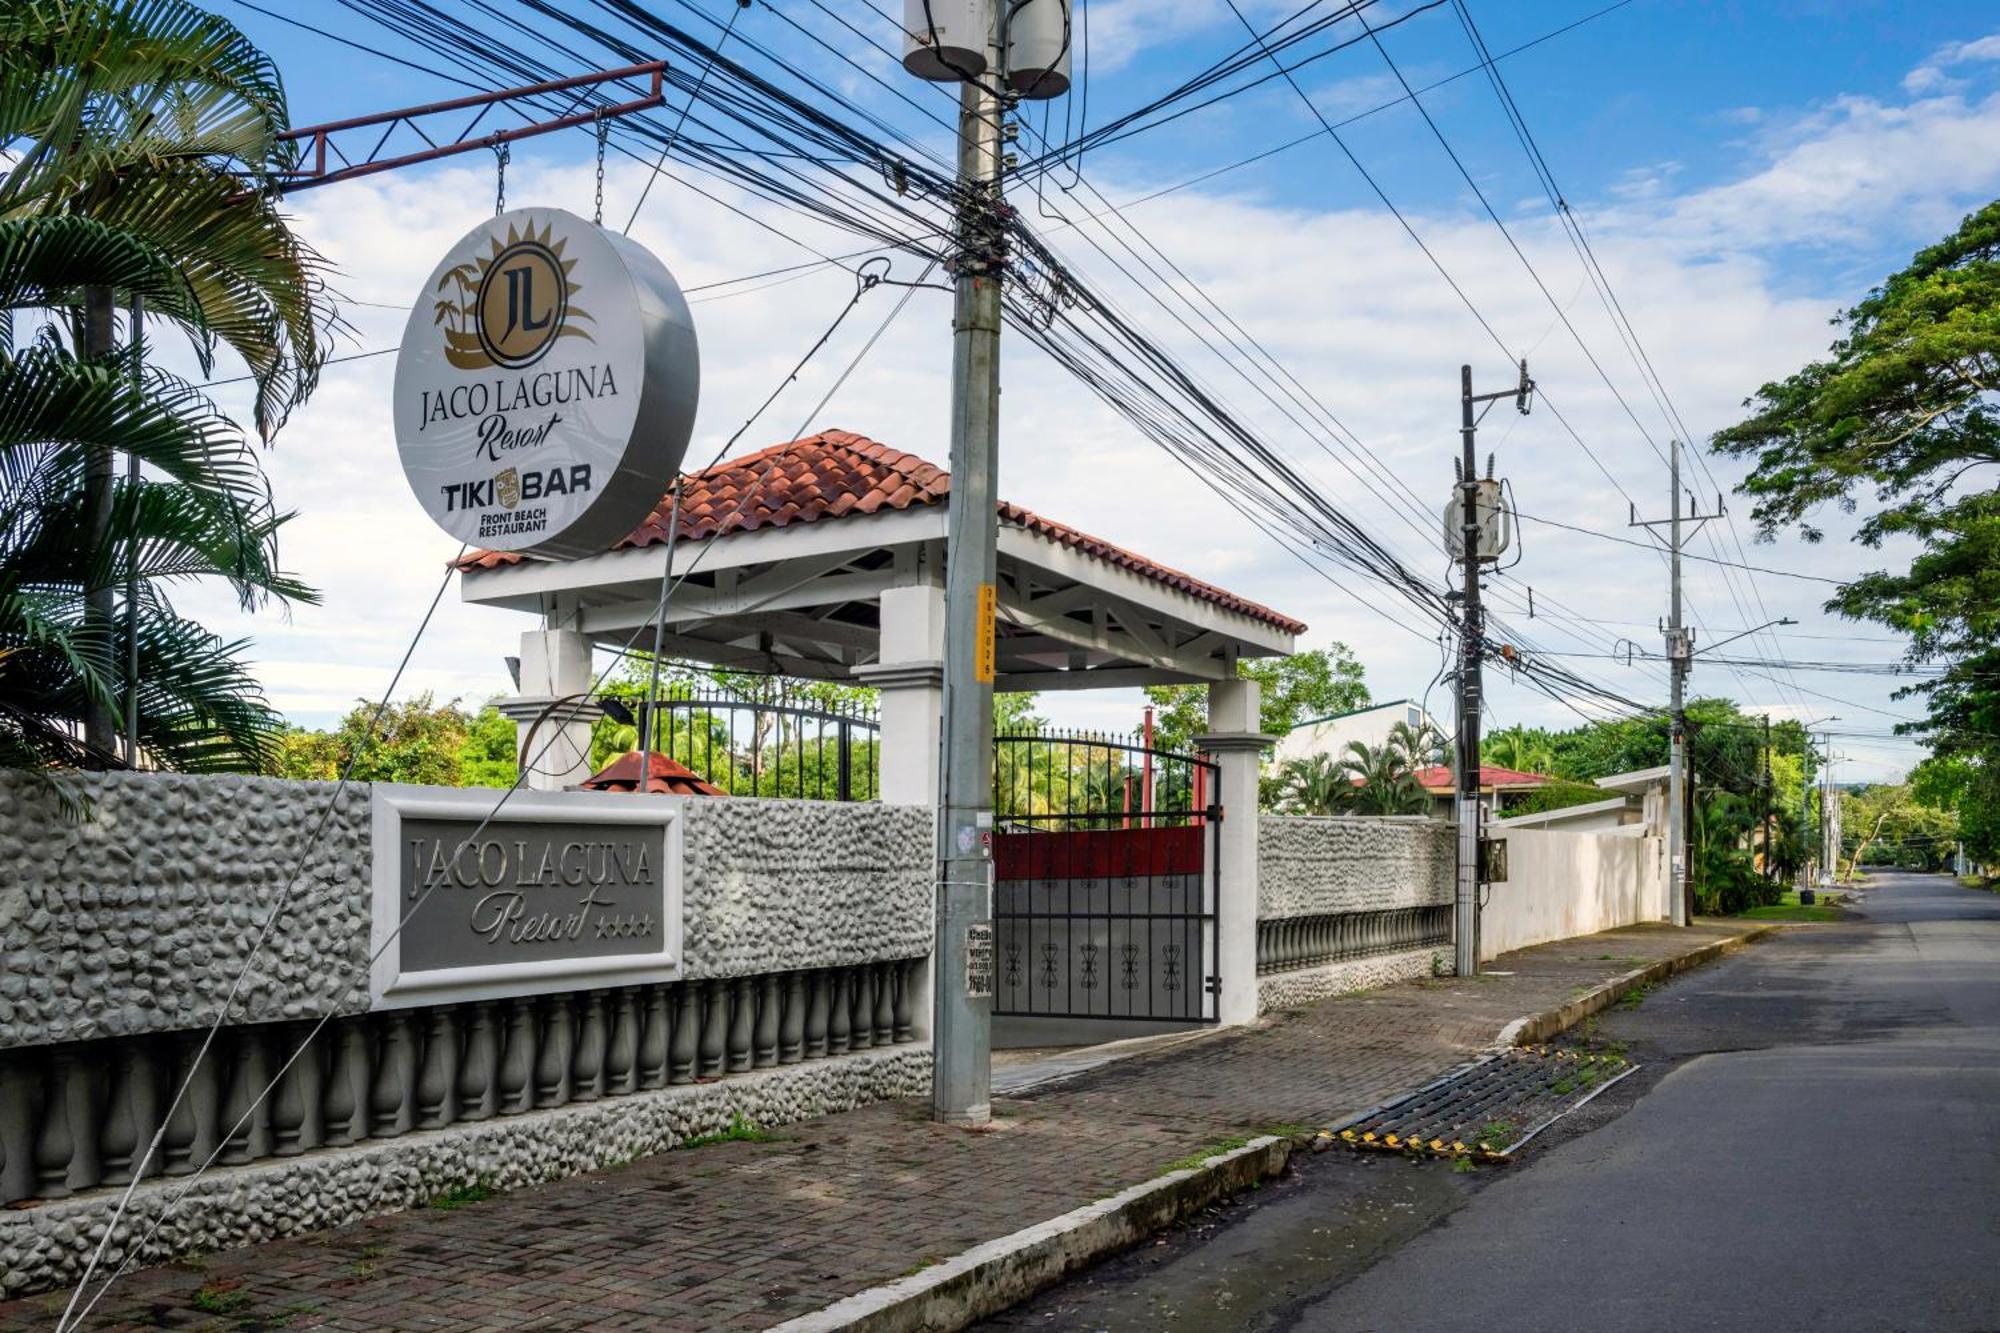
x: 1782, y: 620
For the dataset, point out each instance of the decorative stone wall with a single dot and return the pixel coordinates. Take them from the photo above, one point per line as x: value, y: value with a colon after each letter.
x: 1320, y: 871
x: 138, y: 918
x: 775, y: 885
x: 1312, y: 866
x: 49, y: 1245
x: 1288, y: 990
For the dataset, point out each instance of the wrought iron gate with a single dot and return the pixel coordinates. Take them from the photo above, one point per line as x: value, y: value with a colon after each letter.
x: 1105, y: 882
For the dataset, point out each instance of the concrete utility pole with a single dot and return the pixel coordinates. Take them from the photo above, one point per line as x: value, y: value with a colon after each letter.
x: 1764, y: 803
x: 1680, y: 658
x: 962, y: 1075
x: 1473, y: 550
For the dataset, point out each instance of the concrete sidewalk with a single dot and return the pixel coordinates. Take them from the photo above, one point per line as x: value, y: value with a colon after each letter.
x: 750, y: 1234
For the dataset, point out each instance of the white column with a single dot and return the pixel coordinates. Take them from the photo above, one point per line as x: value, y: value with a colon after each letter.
x: 1236, y: 741
x: 552, y: 739
x: 909, y: 670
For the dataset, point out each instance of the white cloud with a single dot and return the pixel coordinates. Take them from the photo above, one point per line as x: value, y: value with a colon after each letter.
x: 1341, y: 298
x: 1934, y: 76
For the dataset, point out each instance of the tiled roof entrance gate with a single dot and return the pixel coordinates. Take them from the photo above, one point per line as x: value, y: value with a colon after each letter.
x: 1105, y: 881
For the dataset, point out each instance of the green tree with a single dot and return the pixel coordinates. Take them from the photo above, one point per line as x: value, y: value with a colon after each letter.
x: 1382, y: 779
x: 1524, y: 749
x: 1291, y: 690
x: 1902, y: 412
x: 418, y: 740
x: 1558, y: 795
x: 487, y: 759
x: 142, y: 137
x: 1967, y: 787
x: 1889, y: 824
x: 1314, y: 784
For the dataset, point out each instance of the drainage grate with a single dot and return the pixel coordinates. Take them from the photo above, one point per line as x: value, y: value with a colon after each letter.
x: 1488, y: 1109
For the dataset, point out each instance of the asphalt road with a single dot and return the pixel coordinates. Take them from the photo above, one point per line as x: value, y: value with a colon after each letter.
x: 1814, y: 1143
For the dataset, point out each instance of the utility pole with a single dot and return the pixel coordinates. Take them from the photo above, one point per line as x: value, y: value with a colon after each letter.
x: 962, y: 1074
x: 1764, y: 802
x: 1680, y: 658
x: 1475, y: 546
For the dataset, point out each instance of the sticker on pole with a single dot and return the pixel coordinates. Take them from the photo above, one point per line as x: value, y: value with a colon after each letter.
x: 545, y: 386
x: 979, y: 961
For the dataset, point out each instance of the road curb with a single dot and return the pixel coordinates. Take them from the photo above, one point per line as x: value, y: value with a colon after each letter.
x: 1531, y: 1029
x: 1001, y: 1273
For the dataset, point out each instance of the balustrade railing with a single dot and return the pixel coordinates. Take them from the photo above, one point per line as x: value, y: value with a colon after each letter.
x: 79, y: 1115
x: 1286, y: 944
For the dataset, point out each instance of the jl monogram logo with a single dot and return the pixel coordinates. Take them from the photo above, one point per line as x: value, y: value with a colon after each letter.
x: 509, y: 306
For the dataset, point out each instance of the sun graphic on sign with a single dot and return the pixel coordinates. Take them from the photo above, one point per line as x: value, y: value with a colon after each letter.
x: 509, y: 306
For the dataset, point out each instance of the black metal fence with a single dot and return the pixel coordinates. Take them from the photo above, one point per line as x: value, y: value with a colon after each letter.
x: 772, y: 747
x: 1105, y: 882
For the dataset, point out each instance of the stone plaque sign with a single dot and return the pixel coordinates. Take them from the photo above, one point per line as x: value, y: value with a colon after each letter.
x: 476, y: 898
x: 516, y: 893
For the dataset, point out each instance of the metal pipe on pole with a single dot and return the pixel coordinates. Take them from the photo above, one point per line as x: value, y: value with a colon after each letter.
x: 1678, y: 655
x: 1465, y: 907
x: 962, y: 1076
x: 1476, y: 546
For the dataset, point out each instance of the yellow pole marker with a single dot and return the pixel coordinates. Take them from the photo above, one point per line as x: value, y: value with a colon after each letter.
x: 986, y: 662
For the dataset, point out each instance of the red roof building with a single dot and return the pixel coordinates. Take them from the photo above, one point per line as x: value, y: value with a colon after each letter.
x: 665, y: 777
x: 1438, y: 779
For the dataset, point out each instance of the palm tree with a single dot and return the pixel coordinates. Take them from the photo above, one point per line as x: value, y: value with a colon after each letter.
x: 1382, y: 778
x: 1314, y: 785
x: 141, y: 138
x: 1421, y: 746
x: 1519, y: 748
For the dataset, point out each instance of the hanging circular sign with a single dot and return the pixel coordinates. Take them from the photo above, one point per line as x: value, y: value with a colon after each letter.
x: 546, y: 386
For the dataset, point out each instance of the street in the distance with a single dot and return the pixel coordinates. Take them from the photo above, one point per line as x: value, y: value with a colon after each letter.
x: 1809, y: 1144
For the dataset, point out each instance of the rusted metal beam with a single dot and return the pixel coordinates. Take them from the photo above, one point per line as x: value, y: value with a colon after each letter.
x: 320, y: 136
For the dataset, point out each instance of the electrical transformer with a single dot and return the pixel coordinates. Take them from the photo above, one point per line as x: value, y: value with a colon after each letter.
x: 945, y: 40
x: 1038, y: 45
x: 1496, y: 524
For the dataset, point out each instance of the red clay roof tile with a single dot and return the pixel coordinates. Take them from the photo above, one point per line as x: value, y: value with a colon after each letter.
x: 837, y: 472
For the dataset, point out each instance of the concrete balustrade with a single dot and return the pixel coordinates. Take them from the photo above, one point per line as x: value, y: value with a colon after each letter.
x: 80, y: 1115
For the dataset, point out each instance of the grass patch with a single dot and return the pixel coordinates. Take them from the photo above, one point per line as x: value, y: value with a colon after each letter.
x: 1634, y: 997
x: 1200, y: 1155
x: 458, y: 1196
x: 740, y: 1129
x: 928, y: 1261
x: 1496, y: 1134
x: 224, y: 1297
x: 1788, y: 908
x: 1989, y: 883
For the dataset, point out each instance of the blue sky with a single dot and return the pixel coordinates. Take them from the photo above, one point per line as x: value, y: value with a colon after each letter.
x: 1744, y: 169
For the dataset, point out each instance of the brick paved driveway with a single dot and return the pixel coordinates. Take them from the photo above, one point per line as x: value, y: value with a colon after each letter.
x: 746, y: 1235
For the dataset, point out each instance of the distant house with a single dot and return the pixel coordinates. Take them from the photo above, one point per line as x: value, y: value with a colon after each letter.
x: 1635, y: 804
x: 1331, y: 735
x: 1496, y: 786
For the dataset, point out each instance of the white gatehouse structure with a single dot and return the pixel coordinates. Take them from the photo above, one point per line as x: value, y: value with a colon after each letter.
x: 824, y: 558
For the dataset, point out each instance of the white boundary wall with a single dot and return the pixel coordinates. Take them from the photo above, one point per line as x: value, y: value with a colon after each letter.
x: 1561, y: 885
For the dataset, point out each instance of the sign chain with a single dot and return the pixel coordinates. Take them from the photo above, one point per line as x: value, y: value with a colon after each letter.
x: 603, y: 134
x: 500, y: 154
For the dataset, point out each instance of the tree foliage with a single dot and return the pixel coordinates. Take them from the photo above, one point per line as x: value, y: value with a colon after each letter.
x: 142, y: 143
x: 418, y: 740
x: 1903, y: 412
x: 1291, y: 690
